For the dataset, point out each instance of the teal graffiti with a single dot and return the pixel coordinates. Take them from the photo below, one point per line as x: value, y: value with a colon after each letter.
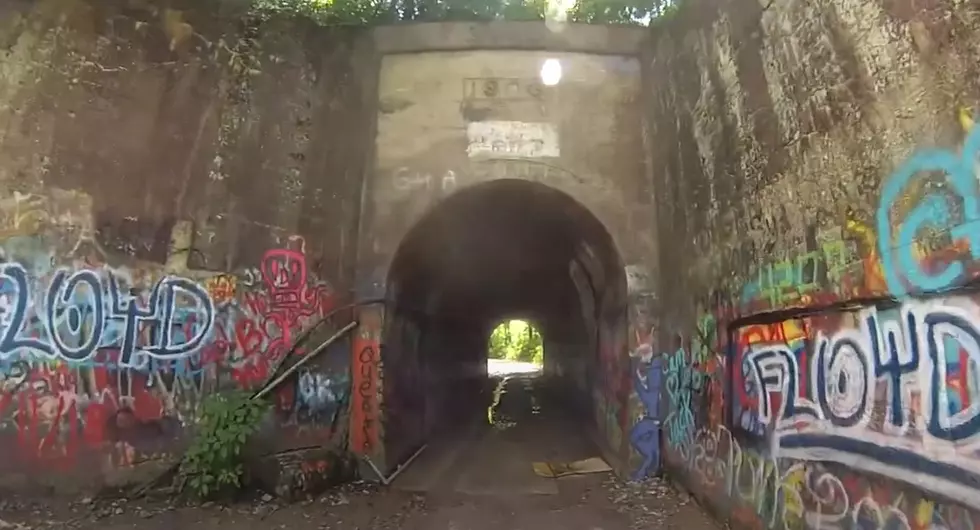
x: 786, y: 281
x: 682, y: 381
x: 933, y: 211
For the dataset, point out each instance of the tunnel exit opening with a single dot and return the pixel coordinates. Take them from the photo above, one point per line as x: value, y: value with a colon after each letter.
x: 485, y: 255
x: 515, y: 346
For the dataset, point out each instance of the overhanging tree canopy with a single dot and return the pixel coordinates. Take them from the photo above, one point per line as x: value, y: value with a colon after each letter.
x: 390, y: 11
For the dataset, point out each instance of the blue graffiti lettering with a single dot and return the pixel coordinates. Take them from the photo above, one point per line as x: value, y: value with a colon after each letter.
x: 84, y: 312
x: 952, y: 324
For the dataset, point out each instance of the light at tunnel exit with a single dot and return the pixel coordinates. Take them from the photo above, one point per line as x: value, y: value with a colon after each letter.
x: 515, y: 347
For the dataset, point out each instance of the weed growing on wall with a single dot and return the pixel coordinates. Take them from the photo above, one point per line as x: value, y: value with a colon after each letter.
x: 214, y: 463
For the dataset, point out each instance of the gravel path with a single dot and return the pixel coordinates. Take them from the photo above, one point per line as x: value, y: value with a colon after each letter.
x: 584, y: 503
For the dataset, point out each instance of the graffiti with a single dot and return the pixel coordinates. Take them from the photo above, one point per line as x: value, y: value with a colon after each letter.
x: 221, y: 288
x: 645, y: 435
x: 407, y: 180
x: 21, y: 215
x: 250, y: 277
x: 497, y: 88
x: 873, y: 277
x: 790, y: 281
x: 102, y: 366
x: 84, y: 311
x: 848, y: 415
x: 512, y: 138
x: 949, y: 208
x: 612, y: 406
x: 59, y: 411
x: 706, y: 346
x: 12, y: 376
x: 320, y: 394
x: 787, y: 493
x: 364, y: 411
x: 681, y: 383
x: 889, y: 391
x: 135, y: 438
x: 284, y: 302
x: 311, y: 473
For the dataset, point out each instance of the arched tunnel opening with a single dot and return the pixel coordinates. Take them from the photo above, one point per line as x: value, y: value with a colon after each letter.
x: 506, y: 249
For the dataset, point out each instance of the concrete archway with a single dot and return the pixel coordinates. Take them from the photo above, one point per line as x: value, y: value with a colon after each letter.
x: 504, y: 248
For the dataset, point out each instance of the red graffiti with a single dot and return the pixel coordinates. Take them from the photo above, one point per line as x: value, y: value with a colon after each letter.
x: 61, y: 412
x: 287, y: 303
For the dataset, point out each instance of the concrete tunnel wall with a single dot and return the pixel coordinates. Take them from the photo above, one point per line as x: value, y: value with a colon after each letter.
x: 815, y: 180
x: 230, y: 169
x: 175, y: 153
x: 775, y: 204
x: 458, y: 120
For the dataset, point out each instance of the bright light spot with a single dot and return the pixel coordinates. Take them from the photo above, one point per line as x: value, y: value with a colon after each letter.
x: 551, y: 72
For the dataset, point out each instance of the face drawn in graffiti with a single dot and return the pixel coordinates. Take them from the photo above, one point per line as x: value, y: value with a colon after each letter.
x: 284, y: 274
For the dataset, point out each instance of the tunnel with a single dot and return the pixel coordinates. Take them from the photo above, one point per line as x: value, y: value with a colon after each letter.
x: 505, y: 249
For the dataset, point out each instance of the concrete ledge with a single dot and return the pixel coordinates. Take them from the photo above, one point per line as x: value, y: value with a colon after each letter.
x: 465, y: 36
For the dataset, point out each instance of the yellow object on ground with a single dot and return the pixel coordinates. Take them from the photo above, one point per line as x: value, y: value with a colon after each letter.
x: 562, y: 469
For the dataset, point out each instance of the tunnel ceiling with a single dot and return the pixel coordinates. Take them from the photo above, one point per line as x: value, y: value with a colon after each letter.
x: 498, y: 249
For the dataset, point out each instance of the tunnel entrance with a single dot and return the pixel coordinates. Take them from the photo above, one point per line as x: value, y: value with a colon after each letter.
x: 507, y: 249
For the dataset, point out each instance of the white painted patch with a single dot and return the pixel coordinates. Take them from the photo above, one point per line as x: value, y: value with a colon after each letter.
x: 512, y: 138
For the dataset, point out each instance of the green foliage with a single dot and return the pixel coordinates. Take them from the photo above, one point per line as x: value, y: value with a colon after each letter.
x: 214, y: 464
x: 517, y: 340
x: 388, y: 11
x: 618, y: 11
x: 329, y: 12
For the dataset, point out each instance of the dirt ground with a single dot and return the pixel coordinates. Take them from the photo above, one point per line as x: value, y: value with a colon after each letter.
x: 479, y: 479
x: 586, y: 502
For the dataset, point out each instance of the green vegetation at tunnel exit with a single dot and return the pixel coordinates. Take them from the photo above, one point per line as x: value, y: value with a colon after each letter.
x: 357, y: 12
x: 516, y: 340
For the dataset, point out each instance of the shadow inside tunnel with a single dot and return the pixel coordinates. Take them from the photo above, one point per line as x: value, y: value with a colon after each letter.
x: 493, y: 253
x: 527, y: 421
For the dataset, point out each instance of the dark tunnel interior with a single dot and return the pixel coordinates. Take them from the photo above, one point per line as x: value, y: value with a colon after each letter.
x: 503, y: 249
